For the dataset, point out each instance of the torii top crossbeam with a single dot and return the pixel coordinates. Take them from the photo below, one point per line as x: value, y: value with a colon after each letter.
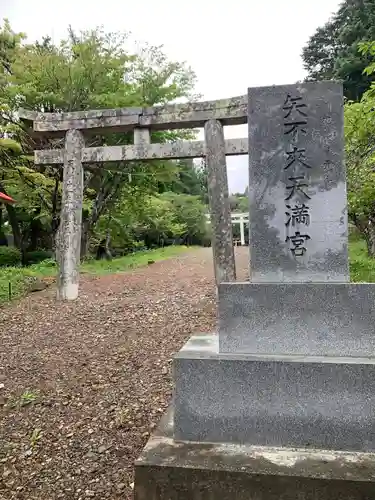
x: 232, y: 111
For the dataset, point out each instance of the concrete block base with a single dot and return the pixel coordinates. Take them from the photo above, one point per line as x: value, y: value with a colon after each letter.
x: 170, y: 470
x: 273, y: 400
x: 310, y: 319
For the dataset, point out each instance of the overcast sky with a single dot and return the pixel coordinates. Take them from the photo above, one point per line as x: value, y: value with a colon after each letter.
x: 230, y: 44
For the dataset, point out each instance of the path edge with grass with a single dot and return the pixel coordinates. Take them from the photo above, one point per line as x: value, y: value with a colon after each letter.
x: 21, y: 279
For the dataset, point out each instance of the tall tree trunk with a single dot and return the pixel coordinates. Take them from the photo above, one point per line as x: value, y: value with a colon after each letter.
x: 108, y: 190
x: 55, y: 222
x: 370, y: 240
x: 3, y: 238
x: 85, y: 237
x: 13, y: 220
x: 36, y: 231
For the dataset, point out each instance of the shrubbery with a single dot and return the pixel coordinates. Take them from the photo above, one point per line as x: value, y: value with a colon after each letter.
x: 36, y: 256
x: 10, y: 257
x: 163, y: 220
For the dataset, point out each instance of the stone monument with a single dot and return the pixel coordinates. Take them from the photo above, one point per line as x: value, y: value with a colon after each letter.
x: 280, y: 404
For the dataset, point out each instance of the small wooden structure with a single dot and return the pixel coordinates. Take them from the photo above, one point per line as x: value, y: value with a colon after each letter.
x: 4, y: 198
x: 74, y: 126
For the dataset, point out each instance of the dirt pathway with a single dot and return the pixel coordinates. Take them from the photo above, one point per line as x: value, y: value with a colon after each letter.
x: 82, y: 384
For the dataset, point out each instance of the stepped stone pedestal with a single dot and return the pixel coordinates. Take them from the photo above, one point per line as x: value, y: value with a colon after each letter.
x: 280, y: 404
x: 169, y: 469
x: 273, y: 399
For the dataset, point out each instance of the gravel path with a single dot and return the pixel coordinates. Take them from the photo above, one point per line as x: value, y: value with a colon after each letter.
x: 82, y: 384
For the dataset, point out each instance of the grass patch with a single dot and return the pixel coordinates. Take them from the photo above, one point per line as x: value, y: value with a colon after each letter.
x: 14, y: 281
x: 362, y: 267
x: 20, y: 277
x: 139, y: 259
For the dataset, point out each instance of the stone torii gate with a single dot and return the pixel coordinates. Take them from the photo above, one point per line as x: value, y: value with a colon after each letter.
x: 75, y: 126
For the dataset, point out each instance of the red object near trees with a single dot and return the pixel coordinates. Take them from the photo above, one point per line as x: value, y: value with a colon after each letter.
x: 6, y: 199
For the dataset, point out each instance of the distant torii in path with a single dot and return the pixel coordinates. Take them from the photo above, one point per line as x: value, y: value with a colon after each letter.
x: 238, y: 218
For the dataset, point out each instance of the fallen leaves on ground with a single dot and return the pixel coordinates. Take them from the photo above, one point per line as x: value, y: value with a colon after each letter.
x: 83, y: 384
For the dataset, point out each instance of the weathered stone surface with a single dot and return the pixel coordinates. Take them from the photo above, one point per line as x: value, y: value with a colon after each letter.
x: 297, y: 185
x: 78, y: 115
x: 49, y: 157
x: 174, y: 470
x: 231, y: 111
x: 121, y: 123
x: 29, y: 115
x: 173, y: 150
x: 333, y: 319
x: 218, y: 195
x: 142, y: 139
x: 142, y: 136
x: 273, y: 400
x: 69, y: 234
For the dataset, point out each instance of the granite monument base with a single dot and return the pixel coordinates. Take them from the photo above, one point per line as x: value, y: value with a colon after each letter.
x: 273, y: 400
x: 314, y: 319
x: 170, y: 470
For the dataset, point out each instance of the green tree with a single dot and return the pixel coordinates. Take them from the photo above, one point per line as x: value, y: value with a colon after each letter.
x: 360, y: 158
x: 190, y: 179
x: 190, y: 214
x: 10, y: 147
x: 88, y: 70
x: 332, y: 52
x: 243, y: 204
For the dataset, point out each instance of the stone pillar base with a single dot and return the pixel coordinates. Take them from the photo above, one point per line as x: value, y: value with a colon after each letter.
x: 171, y: 470
x: 319, y: 402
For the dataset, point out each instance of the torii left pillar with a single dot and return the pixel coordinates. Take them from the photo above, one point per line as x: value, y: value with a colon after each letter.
x: 69, y: 234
